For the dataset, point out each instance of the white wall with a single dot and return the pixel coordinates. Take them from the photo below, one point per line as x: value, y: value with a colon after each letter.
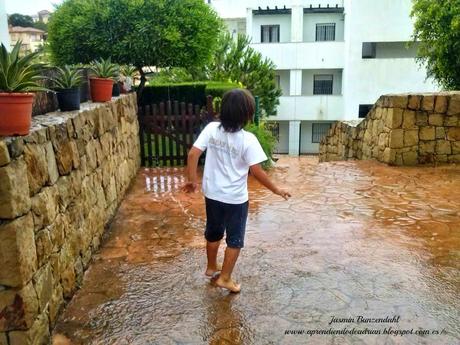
x: 320, y: 107
x: 311, y: 19
x: 283, y: 20
x: 366, y: 79
x: 284, y: 81
x: 4, y: 35
x: 308, y: 77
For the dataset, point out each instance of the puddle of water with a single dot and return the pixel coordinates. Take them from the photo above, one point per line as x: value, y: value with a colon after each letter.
x: 357, y: 238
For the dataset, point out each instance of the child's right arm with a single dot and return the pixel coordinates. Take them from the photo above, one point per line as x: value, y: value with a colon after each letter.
x: 262, y: 177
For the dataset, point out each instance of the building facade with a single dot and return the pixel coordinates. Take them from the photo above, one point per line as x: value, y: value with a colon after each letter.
x: 31, y: 38
x: 4, y: 36
x: 333, y: 59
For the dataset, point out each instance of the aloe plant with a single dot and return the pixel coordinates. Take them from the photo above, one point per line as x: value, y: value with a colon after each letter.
x: 67, y: 77
x: 104, y: 68
x: 19, y: 74
x: 129, y: 71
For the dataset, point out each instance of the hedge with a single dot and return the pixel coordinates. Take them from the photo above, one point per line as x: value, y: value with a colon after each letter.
x: 188, y: 92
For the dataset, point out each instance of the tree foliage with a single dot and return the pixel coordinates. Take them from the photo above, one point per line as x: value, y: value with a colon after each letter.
x: 236, y: 61
x: 437, y: 27
x: 159, y: 33
x: 17, y: 19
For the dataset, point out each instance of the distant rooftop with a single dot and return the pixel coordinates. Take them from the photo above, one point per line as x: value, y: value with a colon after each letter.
x: 20, y: 29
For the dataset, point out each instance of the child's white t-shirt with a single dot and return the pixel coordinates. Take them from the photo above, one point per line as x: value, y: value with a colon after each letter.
x: 228, y: 158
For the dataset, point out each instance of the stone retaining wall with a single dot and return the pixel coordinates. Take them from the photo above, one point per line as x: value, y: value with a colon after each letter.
x: 400, y: 130
x: 59, y: 186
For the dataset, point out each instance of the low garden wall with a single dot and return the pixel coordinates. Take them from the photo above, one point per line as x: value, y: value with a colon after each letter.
x: 59, y: 186
x: 400, y: 130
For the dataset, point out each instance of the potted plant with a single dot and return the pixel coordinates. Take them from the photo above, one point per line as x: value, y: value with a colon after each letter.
x: 18, y: 79
x: 101, y: 83
x: 67, y: 85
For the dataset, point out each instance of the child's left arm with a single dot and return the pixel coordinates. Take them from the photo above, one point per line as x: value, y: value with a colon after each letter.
x: 191, y: 169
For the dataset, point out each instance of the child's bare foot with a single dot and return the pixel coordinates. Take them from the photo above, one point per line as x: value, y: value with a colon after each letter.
x: 210, y: 272
x: 228, y: 284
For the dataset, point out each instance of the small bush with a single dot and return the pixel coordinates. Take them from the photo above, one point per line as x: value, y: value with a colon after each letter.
x: 182, y: 92
x: 266, y: 140
x: 217, y: 88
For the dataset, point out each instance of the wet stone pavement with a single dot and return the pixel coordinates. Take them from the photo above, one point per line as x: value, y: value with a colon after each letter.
x: 356, y: 238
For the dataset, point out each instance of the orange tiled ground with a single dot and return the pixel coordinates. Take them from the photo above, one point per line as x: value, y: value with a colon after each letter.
x: 357, y: 238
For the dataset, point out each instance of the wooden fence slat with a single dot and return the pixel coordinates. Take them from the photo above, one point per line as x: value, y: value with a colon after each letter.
x: 183, y: 113
x: 163, y: 130
x: 169, y: 130
x: 176, y: 132
x: 190, y: 125
x: 148, y: 109
x: 141, y: 134
x: 156, y: 135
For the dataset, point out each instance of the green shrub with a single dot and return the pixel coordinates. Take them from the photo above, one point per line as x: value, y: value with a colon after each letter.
x: 182, y: 92
x: 266, y: 140
x: 189, y: 92
x: 217, y: 88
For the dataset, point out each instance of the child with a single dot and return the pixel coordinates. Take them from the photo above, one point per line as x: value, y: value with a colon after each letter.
x: 231, y: 153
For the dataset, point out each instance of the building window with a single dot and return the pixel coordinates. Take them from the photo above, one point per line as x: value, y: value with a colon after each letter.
x: 369, y: 50
x: 269, y: 33
x: 319, y: 131
x: 325, y: 32
x: 322, y: 84
x: 364, y: 109
x: 278, y: 81
x: 274, y: 128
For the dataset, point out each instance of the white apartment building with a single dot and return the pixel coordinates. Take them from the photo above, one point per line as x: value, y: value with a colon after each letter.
x: 333, y: 58
x: 4, y: 35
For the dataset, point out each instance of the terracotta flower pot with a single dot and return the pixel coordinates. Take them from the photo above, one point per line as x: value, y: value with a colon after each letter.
x: 101, y: 89
x: 15, y: 113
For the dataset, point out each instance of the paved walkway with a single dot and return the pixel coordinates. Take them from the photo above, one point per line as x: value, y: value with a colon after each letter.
x: 357, y: 238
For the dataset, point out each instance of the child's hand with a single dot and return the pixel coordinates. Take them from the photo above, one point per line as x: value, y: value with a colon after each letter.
x: 283, y: 193
x: 189, y: 187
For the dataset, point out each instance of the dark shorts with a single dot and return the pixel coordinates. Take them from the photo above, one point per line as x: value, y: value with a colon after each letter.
x: 230, y: 218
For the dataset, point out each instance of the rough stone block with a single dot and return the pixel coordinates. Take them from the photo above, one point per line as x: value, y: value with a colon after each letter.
x: 453, y: 134
x: 451, y: 121
x: 428, y: 103
x: 65, y: 157
x: 427, y: 133
x: 4, y: 154
x: 410, y: 137
x: 388, y: 155
x: 436, y: 119
x: 53, y: 172
x: 421, y: 118
x: 57, y: 300
x: 427, y: 147
x: 3, y: 339
x: 18, y: 257
x: 454, y: 105
x: 38, y: 334
x: 456, y: 147
x: 397, y: 102
x: 409, y: 119
x: 414, y: 102
x: 397, y: 138
x: 440, y: 133
x: 440, y: 104
x: 14, y: 190
x: 37, y: 167
x: 453, y: 158
x: 43, y: 284
x: 410, y: 158
x: 45, y: 207
x: 393, y: 117
x: 18, y: 308
x: 44, y: 246
x: 443, y: 147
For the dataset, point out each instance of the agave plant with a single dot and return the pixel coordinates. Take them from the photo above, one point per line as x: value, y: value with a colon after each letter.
x: 104, y: 68
x: 129, y: 71
x: 19, y: 74
x: 67, y: 77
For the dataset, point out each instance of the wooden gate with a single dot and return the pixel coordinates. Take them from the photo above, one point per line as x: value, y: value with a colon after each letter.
x: 168, y: 130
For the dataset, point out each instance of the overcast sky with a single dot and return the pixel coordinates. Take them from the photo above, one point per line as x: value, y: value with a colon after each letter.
x: 29, y: 6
